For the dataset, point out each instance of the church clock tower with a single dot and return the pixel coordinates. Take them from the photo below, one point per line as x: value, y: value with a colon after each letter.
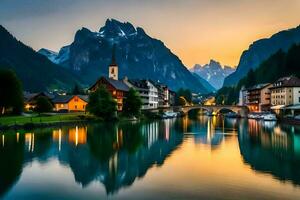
x: 113, y: 67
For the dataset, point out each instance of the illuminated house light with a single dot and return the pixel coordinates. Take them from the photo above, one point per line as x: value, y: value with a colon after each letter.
x: 78, y: 135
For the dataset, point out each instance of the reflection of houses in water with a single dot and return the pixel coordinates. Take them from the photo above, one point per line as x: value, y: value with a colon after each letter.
x: 150, y: 132
x: 115, y: 158
x: 29, y: 141
x: 77, y: 135
x: 124, y: 167
x: 272, y: 151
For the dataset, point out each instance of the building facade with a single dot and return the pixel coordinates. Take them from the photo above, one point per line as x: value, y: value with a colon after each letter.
x: 172, y: 98
x: 285, y: 92
x: 242, y: 96
x: 118, y: 89
x: 147, y: 91
x: 259, y: 97
x: 163, y: 95
x: 31, y: 98
x: 70, y: 103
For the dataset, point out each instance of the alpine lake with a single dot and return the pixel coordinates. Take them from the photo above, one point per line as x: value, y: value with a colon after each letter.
x: 201, y: 158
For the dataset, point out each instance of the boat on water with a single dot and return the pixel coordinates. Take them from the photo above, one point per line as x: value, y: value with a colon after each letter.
x: 269, y: 117
x: 169, y: 114
x: 255, y: 116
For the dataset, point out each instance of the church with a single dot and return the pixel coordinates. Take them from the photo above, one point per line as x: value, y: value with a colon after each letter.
x: 116, y: 87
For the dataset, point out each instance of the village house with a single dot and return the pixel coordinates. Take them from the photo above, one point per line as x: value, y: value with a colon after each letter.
x: 242, y: 97
x: 258, y: 97
x: 285, y: 94
x: 147, y: 91
x: 30, y: 99
x: 163, y: 95
x: 116, y: 87
x: 70, y: 103
x: 172, y: 96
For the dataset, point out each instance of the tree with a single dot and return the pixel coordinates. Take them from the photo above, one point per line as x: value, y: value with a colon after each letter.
x: 77, y: 90
x: 102, y: 104
x: 10, y: 92
x: 43, y: 105
x: 250, y: 79
x: 132, y: 103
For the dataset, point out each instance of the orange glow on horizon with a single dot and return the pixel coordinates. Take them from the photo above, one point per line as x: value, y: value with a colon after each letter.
x: 195, y: 30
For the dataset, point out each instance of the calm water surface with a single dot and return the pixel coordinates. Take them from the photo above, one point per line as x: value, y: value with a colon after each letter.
x: 204, y: 158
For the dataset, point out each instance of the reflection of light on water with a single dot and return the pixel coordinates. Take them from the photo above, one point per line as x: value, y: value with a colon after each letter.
x: 269, y: 124
x: 29, y: 140
x: 113, y: 164
x: 279, y: 138
x: 278, y: 131
x: 57, y: 136
x: 211, y: 124
x: 78, y: 135
x: 167, y: 130
x: 3, y: 138
x: 119, y: 139
x: 59, y: 139
x: 185, y: 123
x: 150, y: 131
x: 18, y: 136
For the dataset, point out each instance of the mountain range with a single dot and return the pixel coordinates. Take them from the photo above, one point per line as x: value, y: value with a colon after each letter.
x: 213, y: 72
x: 261, y: 50
x: 35, y: 71
x: 137, y: 54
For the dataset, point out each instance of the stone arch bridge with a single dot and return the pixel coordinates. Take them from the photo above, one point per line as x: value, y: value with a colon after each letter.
x: 241, y: 110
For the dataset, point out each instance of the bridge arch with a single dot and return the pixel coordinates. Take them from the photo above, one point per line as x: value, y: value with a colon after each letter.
x: 199, y: 109
x: 226, y: 110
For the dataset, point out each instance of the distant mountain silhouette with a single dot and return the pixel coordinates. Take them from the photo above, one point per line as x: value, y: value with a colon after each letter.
x: 137, y: 54
x: 213, y: 72
x: 261, y: 50
x: 36, y: 72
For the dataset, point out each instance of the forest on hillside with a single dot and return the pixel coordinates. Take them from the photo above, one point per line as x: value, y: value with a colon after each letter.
x: 276, y: 66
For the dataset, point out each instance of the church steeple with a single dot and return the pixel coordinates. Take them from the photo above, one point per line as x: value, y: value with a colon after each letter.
x: 113, y: 67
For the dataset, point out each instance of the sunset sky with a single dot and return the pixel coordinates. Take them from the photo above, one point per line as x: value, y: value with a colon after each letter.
x: 195, y: 30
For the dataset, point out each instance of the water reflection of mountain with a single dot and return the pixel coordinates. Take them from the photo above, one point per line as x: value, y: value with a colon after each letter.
x: 11, y: 155
x: 275, y: 151
x: 115, y: 155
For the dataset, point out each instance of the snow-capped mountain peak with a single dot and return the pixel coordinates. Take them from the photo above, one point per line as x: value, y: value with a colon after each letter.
x: 213, y: 72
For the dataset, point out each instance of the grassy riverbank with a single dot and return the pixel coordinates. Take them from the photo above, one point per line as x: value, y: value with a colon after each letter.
x: 45, y: 118
x: 34, y: 120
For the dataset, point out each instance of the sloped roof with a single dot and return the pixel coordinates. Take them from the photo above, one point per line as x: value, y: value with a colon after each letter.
x: 30, y: 96
x: 290, y: 81
x: 259, y: 86
x: 119, y: 85
x: 139, y: 83
x: 67, y: 98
